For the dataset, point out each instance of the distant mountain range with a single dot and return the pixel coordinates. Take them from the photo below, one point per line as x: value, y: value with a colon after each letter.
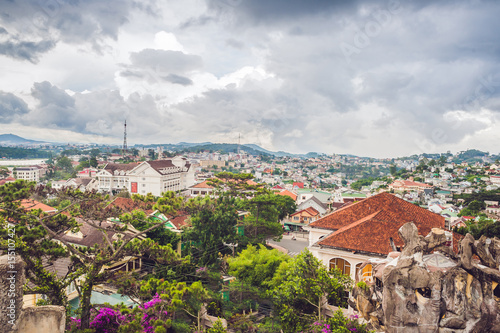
x: 15, y: 140
x: 252, y: 149
x: 469, y: 155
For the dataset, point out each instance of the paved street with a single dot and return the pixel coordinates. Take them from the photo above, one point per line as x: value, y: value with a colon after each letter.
x: 293, y: 246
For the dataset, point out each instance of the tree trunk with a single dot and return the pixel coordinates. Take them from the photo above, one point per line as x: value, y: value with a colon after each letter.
x: 257, y: 220
x: 319, y: 309
x: 199, y: 321
x: 85, y: 304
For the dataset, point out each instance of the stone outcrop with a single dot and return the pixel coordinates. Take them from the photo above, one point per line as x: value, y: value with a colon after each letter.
x: 429, y: 288
x: 15, y: 319
x: 12, y: 281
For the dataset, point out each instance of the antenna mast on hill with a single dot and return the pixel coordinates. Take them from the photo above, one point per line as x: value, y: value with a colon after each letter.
x: 124, y: 137
x: 239, y: 140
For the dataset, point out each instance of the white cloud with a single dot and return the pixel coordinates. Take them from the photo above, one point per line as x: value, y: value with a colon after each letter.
x: 167, y: 41
x: 196, y: 70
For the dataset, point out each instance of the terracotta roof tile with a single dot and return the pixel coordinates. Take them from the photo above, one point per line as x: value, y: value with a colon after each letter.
x: 310, y: 210
x: 288, y: 193
x: 112, y: 167
x: 128, y: 205
x: 390, y: 205
x: 30, y: 204
x: 368, y: 225
x: 180, y: 221
x: 202, y: 185
x: 409, y: 183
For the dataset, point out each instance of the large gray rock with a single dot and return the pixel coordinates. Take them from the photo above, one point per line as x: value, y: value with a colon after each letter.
x: 12, y: 281
x: 15, y: 319
x: 422, y: 291
x: 43, y: 319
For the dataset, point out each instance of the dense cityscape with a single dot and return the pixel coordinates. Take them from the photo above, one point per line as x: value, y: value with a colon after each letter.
x: 249, y: 166
x: 226, y: 237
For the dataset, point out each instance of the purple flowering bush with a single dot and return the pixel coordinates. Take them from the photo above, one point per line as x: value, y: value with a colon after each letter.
x: 107, y: 320
x: 149, y: 318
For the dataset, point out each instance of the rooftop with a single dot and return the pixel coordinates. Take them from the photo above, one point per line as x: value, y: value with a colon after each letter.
x: 368, y: 225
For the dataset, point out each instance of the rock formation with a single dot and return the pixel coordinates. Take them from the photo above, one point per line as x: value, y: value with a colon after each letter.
x: 15, y: 319
x: 429, y: 288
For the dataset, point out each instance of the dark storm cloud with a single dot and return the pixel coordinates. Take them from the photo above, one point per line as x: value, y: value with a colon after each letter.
x: 23, y: 50
x: 11, y: 107
x: 3, y: 31
x: 197, y: 21
x: 55, y: 108
x: 100, y: 113
x: 131, y: 73
x: 74, y: 22
x: 177, y: 79
x: 269, y: 11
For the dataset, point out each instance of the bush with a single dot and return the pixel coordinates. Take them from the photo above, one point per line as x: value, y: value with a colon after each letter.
x: 339, y: 324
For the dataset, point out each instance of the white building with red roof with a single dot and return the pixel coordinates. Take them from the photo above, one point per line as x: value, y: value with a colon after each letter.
x: 495, y: 179
x: 155, y: 177
x: 409, y: 185
x: 365, y: 230
x: 201, y: 189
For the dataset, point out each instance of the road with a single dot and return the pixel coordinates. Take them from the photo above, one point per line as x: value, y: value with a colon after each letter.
x: 294, y: 247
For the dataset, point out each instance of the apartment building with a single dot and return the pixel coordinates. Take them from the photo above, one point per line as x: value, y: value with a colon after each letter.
x: 27, y: 173
x: 155, y: 177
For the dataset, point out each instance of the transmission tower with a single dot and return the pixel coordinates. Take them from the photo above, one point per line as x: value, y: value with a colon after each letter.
x: 124, y: 138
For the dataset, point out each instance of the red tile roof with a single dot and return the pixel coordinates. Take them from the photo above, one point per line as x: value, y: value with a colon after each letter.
x: 7, y: 180
x: 298, y: 184
x: 30, y: 204
x: 409, y: 183
x: 128, y: 205
x: 111, y: 167
x: 310, y: 210
x: 180, y: 221
x: 202, y: 185
x: 288, y: 193
x: 368, y: 225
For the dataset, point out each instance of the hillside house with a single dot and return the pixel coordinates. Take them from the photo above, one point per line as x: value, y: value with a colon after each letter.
x: 365, y: 230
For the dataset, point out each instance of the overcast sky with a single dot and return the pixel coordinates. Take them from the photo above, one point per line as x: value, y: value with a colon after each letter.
x: 380, y: 79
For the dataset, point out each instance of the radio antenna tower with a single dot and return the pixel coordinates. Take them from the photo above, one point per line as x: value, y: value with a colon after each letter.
x: 239, y: 141
x: 124, y: 138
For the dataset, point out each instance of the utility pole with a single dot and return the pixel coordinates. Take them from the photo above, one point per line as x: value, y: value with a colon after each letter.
x: 232, y: 246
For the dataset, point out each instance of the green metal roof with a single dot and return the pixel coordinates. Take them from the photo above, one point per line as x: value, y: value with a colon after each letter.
x: 353, y: 195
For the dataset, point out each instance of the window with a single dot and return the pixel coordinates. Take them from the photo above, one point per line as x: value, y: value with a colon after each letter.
x: 343, y: 265
x: 366, y: 272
